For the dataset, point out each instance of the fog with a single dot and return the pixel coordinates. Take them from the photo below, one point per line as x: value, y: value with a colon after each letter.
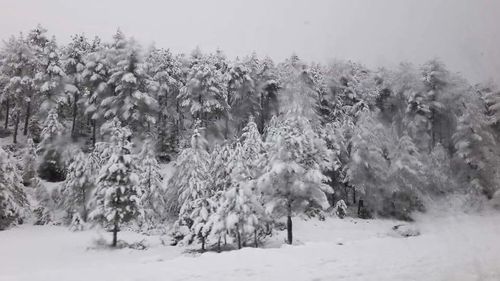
x: 465, y: 34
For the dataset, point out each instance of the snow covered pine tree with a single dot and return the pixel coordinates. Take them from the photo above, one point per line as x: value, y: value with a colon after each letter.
x: 116, y: 199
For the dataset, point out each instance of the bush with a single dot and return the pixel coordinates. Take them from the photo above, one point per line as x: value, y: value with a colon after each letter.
x: 35, y: 129
x: 52, y: 168
x: 314, y: 212
x: 340, y: 209
x: 365, y: 213
x: 77, y: 224
x: 401, y: 205
x: 4, y: 132
x: 42, y: 216
x: 9, y: 218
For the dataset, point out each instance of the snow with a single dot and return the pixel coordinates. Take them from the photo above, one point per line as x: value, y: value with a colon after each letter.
x: 459, y: 247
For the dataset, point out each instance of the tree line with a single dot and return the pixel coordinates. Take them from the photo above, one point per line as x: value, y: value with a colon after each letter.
x: 252, y: 141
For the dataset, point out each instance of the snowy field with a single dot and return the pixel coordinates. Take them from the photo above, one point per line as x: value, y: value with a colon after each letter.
x: 464, y: 247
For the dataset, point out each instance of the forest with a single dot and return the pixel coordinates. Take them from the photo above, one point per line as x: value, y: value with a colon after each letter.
x: 91, y: 128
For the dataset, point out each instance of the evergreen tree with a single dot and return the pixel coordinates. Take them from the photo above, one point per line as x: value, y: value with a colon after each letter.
x: 151, y: 184
x: 435, y: 79
x: 79, y: 183
x: 17, y: 75
x: 190, y: 183
x: 37, y: 41
x: 205, y: 92
x: 13, y: 202
x: 253, y: 148
x: 240, y: 213
x: 95, y: 75
x: 439, y: 173
x: 475, y: 145
x: 243, y: 98
x: 116, y: 199
x: 369, y: 163
x: 29, y: 163
x: 406, y: 167
x: 491, y: 97
x: 220, y: 168
x: 131, y: 101
x: 51, y: 79
x: 74, y: 66
x: 267, y: 86
x: 220, y: 180
x: 52, y: 166
x: 166, y: 81
x: 293, y: 176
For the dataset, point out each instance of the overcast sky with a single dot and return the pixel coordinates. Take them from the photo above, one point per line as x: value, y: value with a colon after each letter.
x: 465, y: 34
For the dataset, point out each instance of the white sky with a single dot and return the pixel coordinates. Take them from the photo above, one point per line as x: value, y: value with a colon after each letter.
x: 465, y: 34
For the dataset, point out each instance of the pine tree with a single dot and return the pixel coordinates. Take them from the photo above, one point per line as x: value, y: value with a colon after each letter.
x: 407, y: 178
x: 78, y: 186
x: 268, y: 87
x: 166, y: 81
x: 52, y: 167
x: 95, y: 75
x: 243, y: 98
x: 439, y: 172
x: 17, y: 73
x: 116, y: 199
x: 131, y: 101
x: 74, y: 66
x: 29, y: 163
x: 51, y: 78
x: 190, y: 183
x: 253, y: 148
x: 406, y: 167
x: 151, y: 184
x: 474, y: 144
x: 219, y: 182
x: 13, y: 202
x: 241, y: 212
x: 293, y: 175
x: 205, y: 92
x: 240, y: 209
x: 491, y: 96
x: 219, y: 168
x: 435, y: 79
x: 37, y: 41
x: 369, y: 163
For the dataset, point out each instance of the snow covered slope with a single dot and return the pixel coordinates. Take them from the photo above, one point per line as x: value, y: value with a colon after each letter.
x: 455, y: 248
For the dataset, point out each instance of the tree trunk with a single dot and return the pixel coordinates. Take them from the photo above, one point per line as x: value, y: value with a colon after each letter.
x: 84, y: 208
x: 115, y: 220
x: 16, y: 127
x: 84, y: 213
x: 93, y: 133
x: 115, y: 234
x: 226, y: 131
x: 360, y: 206
x: 180, y: 122
x: 218, y: 245
x: 7, y: 108
x: 354, y: 195
x: 27, y: 118
x: 289, y: 224
x: 203, y: 244
x: 256, y: 241
x: 269, y: 230
x: 261, y: 120
x: 346, y: 193
x: 239, y: 237
x: 73, y: 125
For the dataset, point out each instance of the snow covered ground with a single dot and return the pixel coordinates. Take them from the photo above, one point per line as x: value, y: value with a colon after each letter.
x: 464, y: 247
